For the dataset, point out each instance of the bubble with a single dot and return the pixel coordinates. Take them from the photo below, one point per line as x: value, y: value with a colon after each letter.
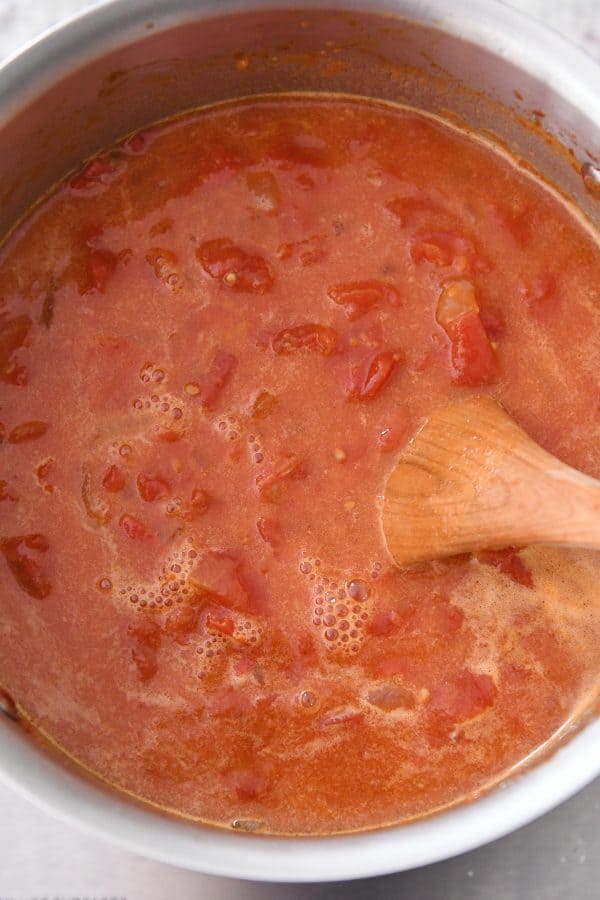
x: 177, y: 413
x: 319, y: 610
x: 316, y: 621
x: 358, y: 590
x: 329, y: 619
x: 308, y: 699
x: 164, y: 407
x: 341, y: 610
x: 344, y: 625
x: 124, y: 450
x: 137, y: 404
x: 331, y: 634
x: 305, y: 568
x: 104, y: 584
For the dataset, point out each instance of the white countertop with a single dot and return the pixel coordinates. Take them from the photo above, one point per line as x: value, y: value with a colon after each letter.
x: 556, y: 858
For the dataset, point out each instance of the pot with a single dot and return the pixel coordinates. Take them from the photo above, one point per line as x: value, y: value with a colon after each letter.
x: 131, y: 62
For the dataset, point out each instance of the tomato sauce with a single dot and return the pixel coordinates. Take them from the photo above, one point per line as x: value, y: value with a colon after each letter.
x: 214, y: 340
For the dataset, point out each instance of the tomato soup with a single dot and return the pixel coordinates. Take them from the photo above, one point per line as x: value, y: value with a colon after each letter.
x: 215, y: 338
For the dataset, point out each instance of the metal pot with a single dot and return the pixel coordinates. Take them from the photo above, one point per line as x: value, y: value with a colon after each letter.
x: 131, y: 62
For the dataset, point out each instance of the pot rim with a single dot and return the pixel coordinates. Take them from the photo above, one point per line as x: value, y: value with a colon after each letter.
x: 571, y: 74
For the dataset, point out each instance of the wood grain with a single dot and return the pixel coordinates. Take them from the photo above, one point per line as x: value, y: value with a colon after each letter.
x: 472, y: 479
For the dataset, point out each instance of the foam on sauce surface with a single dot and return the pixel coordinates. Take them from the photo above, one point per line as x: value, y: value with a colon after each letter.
x: 213, y: 341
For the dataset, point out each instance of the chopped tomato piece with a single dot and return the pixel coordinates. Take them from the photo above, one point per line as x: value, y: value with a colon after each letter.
x: 24, y: 556
x: 100, y: 265
x: 249, y: 786
x: 271, y: 486
x: 152, y: 487
x: 113, y: 480
x: 223, y: 626
x: 509, y: 563
x: 464, y: 696
x: 269, y: 531
x: 95, y: 506
x: 473, y: 360
x: 319, y: 338
x: 234, y: 267
x: 137, y: 142
x: 442, y: 249
x: 406, y: 209
x: 216, y: 378
x: 383, y: 623
x: 13, y: 334
x: 133, y: 528
x: 390, y: 696
x: 358, y: 297
x: 263, y: 404
x: 182, y: 621
x: 394, y: 433
x: 457, y: 298
x: 27, y: 431
x: 95, y: 172
x: 369, y: 379
x: 541, y: 296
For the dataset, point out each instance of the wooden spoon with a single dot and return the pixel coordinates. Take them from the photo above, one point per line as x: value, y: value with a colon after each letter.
x: 472, y: 479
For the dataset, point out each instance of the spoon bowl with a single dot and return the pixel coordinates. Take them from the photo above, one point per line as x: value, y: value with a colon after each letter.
x: 471, y: 479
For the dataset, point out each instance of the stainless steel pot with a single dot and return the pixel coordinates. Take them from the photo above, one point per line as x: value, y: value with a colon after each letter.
x: 131, y: 62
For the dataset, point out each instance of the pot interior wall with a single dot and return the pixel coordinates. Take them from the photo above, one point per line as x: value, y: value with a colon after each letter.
x: 137, y: 75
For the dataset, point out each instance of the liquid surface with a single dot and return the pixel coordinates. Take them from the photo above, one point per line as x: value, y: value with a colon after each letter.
x: 213, y: 341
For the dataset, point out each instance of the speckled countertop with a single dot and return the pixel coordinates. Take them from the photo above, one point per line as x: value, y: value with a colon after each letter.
x: 555, y: 858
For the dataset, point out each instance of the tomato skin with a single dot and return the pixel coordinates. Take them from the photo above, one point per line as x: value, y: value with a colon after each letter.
x: 24, y: 557
x: 27, y: 431
x: 358, y: 297
x: 270, y: 487
x: 473, y: 360
x: 369, y: 379
x: 216, y: 378
x: 114, y: 480
x: 441, y: 249
x: 236, y: 269
x: 133, y: 528
x: 269, y: 531
x: 152, y: 487
x: 319, y: 338
x: 509, y: 563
